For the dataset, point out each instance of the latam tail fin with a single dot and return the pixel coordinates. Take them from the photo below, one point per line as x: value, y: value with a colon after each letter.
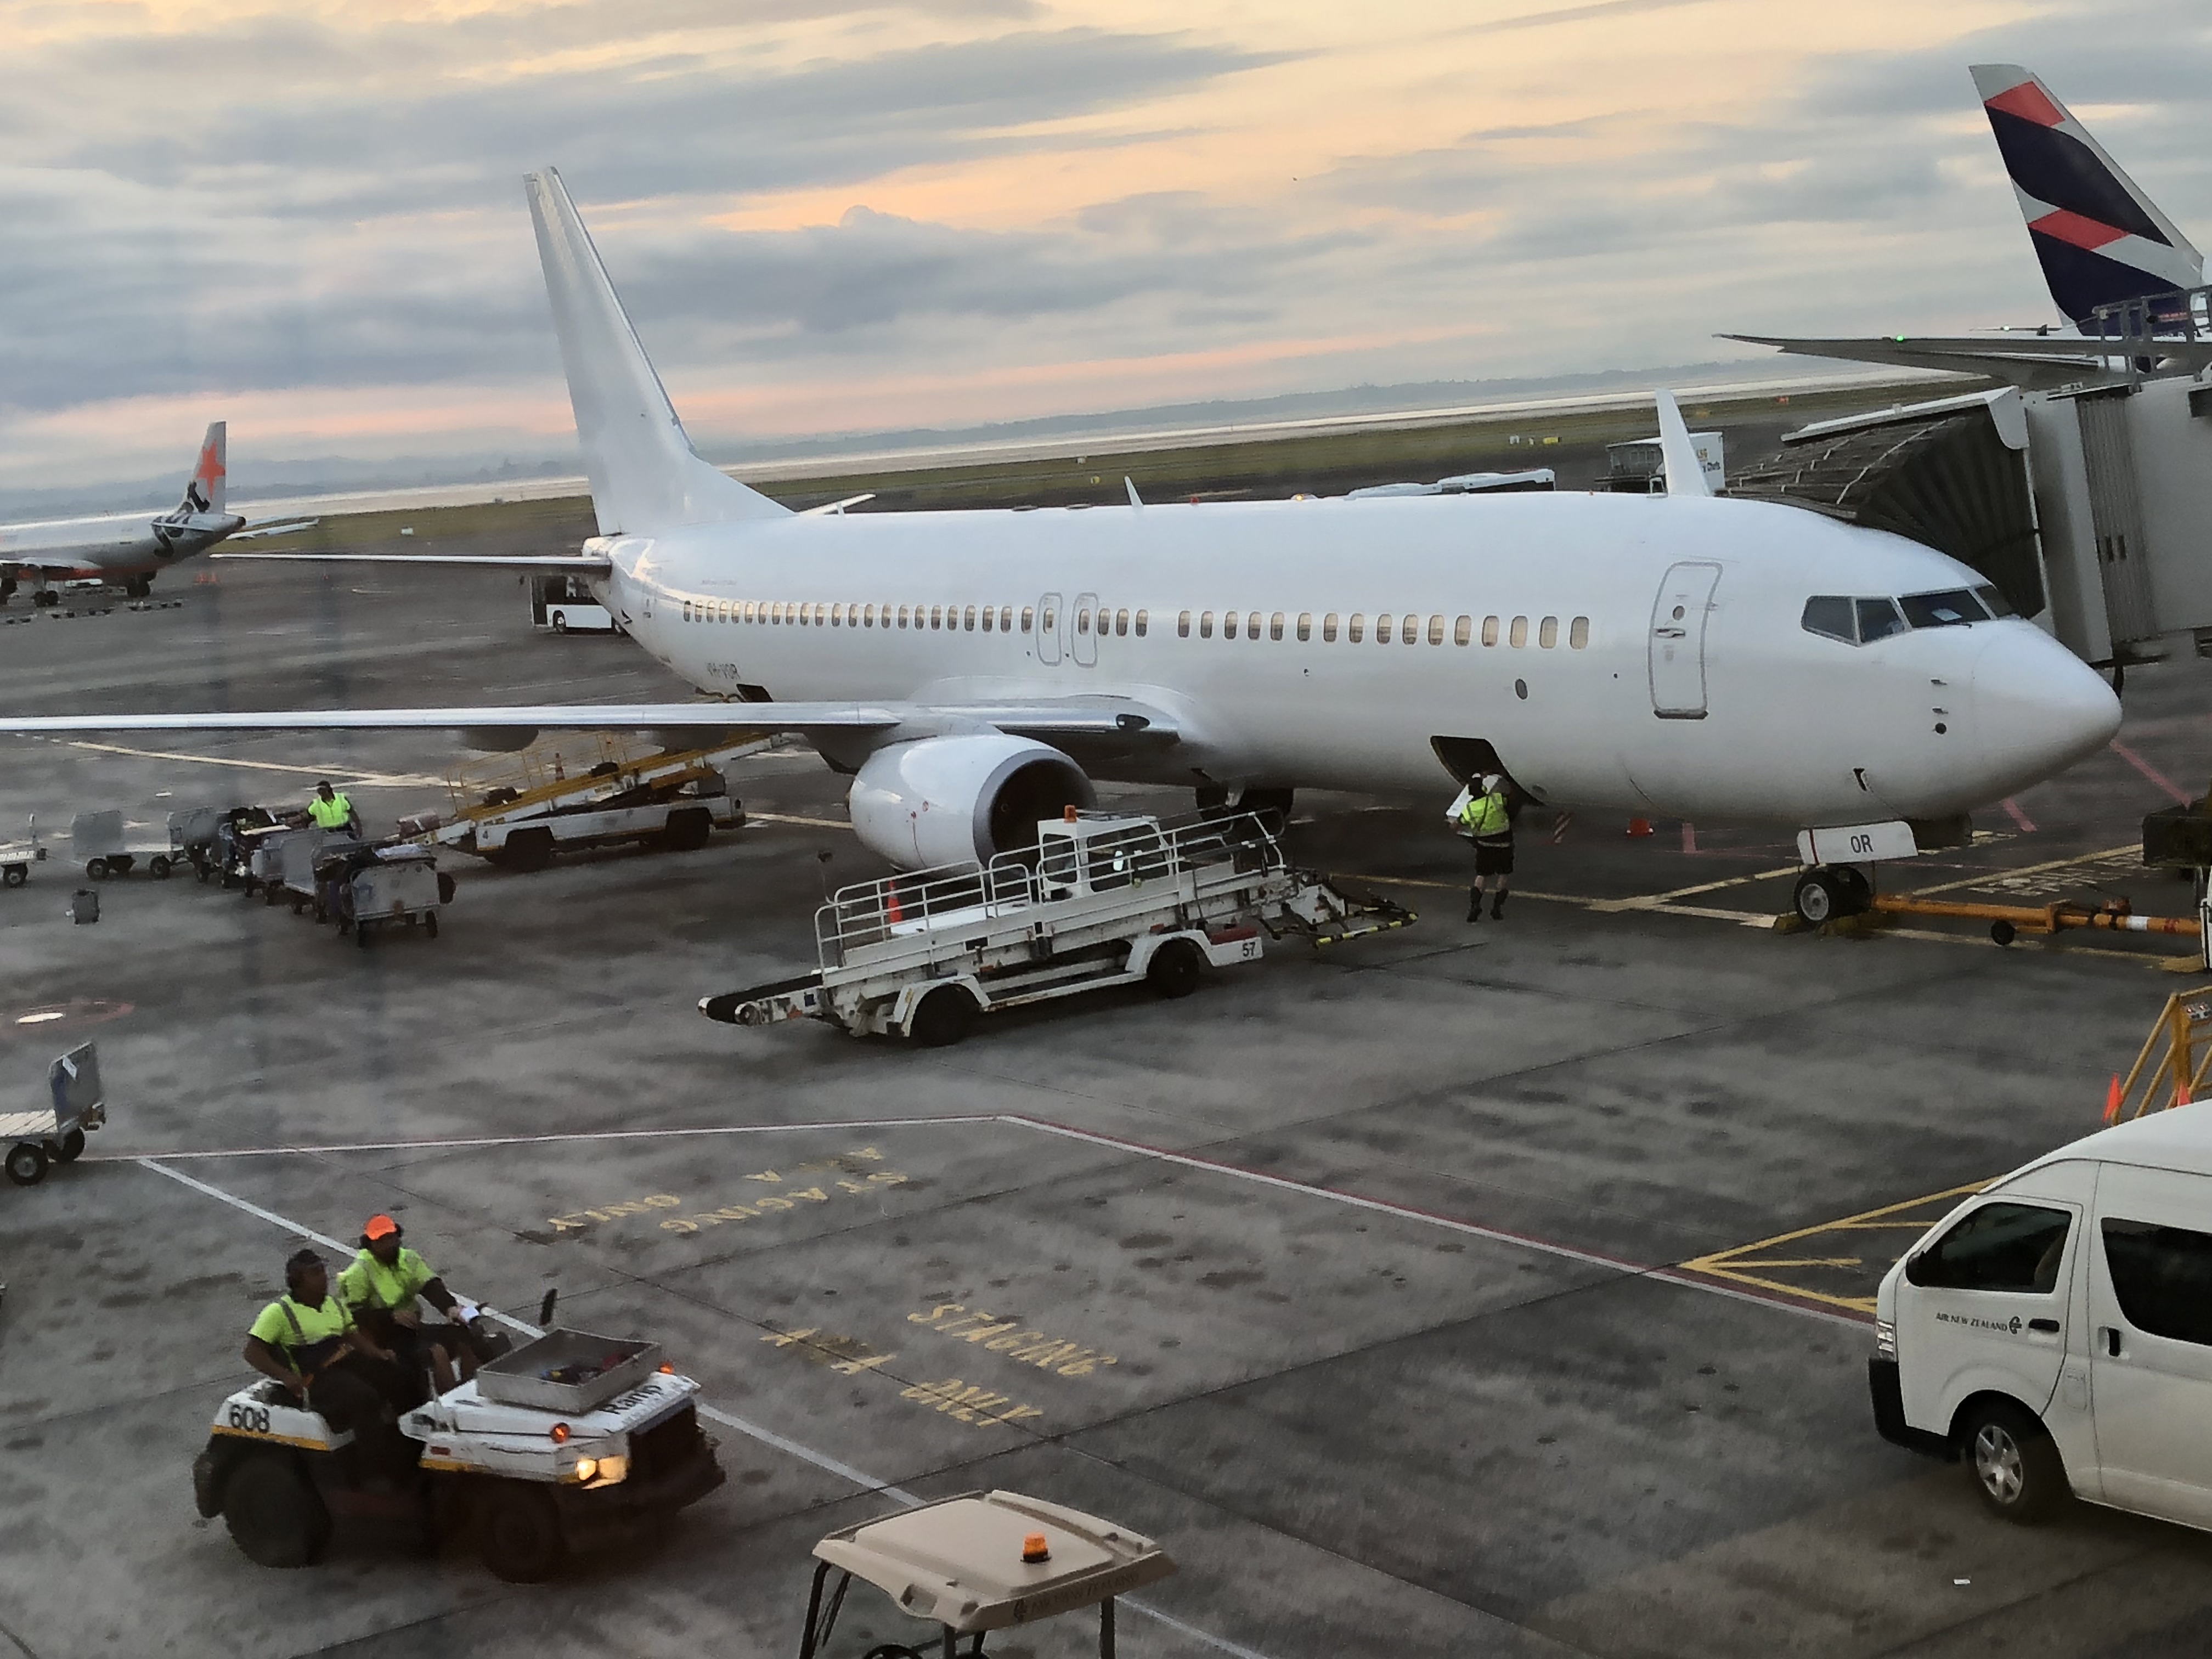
x: 646, y: 477
x: 2100, y: 239
x: 205, y: 489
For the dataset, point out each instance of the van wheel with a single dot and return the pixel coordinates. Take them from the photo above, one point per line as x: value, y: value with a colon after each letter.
x: 2015, y: 1465
x: 275, y: 1517
x: 519, y: 1534
x: 1175, y: 969
x: 945, y: 1014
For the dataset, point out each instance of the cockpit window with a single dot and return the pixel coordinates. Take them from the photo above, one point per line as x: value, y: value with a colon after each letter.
x: 1953, y: 608
x: 1878, y: 620
x: 1994, y: 602
x: 1830, y: 616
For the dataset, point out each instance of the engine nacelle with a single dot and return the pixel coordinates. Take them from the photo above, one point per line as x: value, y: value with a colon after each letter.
x: 953, y: 800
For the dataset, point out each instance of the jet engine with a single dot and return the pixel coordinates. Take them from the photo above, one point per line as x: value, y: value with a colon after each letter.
x: 957, y: 799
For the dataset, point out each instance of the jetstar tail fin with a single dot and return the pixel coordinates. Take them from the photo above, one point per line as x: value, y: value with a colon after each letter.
x: 205, y: 489
x: 2100, y: 239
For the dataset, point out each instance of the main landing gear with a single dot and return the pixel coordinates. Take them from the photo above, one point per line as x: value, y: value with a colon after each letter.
x: 1828, y: 892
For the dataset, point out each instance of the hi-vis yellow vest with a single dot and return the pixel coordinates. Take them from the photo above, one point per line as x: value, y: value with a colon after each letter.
x: 1485, y: 815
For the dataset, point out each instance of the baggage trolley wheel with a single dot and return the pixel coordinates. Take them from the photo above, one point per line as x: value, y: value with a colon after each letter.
x: 27, y: 1164
x: 943, y: 1018
x: 275, y: 1516
x: 430, y: 923
x: 96, y: 869
x: 15, y: 875
x: 69, y: 1147
x: 158, y: 868
x: 270, y: 893
x: 360, y: 933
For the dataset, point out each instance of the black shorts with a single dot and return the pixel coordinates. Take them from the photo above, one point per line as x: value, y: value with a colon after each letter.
x: 1493, y: 858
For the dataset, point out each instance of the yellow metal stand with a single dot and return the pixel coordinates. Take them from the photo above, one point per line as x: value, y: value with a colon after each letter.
x: 2170, y: 1071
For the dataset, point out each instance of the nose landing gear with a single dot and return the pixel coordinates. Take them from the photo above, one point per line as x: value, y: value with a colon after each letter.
x: 1829, y: 892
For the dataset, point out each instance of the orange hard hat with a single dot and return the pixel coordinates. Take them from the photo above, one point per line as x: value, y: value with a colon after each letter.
x: 380, y: 1226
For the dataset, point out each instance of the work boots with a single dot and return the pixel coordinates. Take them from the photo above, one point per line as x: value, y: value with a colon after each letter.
x: 1474, y: 905
x: 1498, y: 907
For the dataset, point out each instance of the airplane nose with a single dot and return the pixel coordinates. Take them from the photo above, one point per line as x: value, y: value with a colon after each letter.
x: 2038, y: 708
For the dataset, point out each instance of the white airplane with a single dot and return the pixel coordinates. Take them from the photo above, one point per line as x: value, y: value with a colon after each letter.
x: 128, y: 549
x: 975, y: 672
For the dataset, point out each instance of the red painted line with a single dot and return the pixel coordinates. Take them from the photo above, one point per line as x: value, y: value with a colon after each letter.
x: 2013, y: 812
x: 1690, y: 839
x: 2152, y: 773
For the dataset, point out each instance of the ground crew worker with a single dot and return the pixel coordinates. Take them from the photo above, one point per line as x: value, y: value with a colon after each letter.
x: 381, y: 1290
x: 1486, y: 819
x: 329, y: 809
x: 307, y: 1339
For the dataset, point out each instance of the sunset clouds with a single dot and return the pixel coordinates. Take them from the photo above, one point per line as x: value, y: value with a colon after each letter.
x: 830, y: 217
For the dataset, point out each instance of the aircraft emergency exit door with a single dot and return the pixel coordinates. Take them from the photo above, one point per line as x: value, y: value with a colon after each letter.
x: 1678, y: 640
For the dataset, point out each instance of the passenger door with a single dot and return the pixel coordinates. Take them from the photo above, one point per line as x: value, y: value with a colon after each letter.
x: 1048, y: 623
x: 1678, y: 640
x: 2150, y: 1328
x: 1987, y: 1309
x: 1083, y: 643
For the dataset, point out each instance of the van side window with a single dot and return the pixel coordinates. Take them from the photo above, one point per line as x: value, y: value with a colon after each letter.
x: 1999, y: 1247
x: 2162, y: 1277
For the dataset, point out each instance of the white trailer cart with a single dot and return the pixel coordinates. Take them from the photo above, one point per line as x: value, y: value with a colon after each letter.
x: 56, y: 1133
x: 16, y: 857
x: 106, y: 846
x: 1105, y: 899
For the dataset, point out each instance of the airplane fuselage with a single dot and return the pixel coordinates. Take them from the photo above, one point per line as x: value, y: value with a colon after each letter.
x: 1642, y: 653
x: 113, y: 547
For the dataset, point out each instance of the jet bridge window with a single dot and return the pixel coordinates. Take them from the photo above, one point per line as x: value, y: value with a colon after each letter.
x: 1953, y: 608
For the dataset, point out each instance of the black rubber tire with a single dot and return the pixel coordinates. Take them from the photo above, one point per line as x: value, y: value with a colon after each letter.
x: 96, y: 869
x: 530, y: 850
x: 158, y: 868
x: 1818, y: 899
x: 447, y: 888
x: 943, y: 1018
x: 275, y: 1517
x: 2013, y: 1462
x: 1857, y: 891
x: 360, y: 933
x: 519, y: 1534
x: 27, y: 1164
x: 430, y: 923
x: 687, y: 829
x: 1175, y: 969
x: 560, y: 621
x: 69, y: 1147
x: 14, y: 875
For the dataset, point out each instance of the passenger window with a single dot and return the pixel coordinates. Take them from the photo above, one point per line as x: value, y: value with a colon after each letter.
x: 1328, y: 628
x: 1382, y: 628
x: 1047, y: 619
x: 1436, y: 630
x: 1409, y: 631
x: 1007, y: 619
x: 1082, y: 620
x: 1878, y: 620
x: 1489, y: 630
x: 2162, y: 1277
x: 837, y: 616
x: 1120, y: 624
x: 1999, y: 1247
x: 968, y: 622
x: 1547, y: 633
x: 1252, y: 625
x: 1183, y: 626
x: 989, y: 618
x: 1579, y: 634
x: 1994, y: 602
x: 1229, y: 626
x: 1520, y: 635
x: 1144, y: 624
x: 868, y: 616
x: 902, y: 614
x: 1955, y: 608
x: 1205, y: 625
x: 1275, y: 626
x: 1356, y: 630
x: 1831, y: 617
x: 1305, y: 624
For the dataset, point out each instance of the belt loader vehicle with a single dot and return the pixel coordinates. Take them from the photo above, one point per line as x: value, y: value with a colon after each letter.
x: 568, y: 1443
x: 1104, y: 899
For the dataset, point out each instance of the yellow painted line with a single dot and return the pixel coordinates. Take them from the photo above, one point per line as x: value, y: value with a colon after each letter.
x: 1652, y: 901
x: 1807, y: 1261
x: 274, y: 1439
x: 810, y: 824
x: 1987, y: 876
x: 393, y: 780
x: 1732, y: 1264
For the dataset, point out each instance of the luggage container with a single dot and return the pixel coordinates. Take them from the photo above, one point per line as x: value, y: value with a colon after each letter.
x: 243, y: 829
x: 55, y: 1133
x: 193, y: 835
x: 385, y: 887
x: 103, y: 845
x: 299, y: 857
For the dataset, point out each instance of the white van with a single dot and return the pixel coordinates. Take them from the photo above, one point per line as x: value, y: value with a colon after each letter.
x: 2055, y: 1331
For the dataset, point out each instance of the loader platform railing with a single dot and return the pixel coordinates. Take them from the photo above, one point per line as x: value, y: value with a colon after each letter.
x: 2171, y: 1069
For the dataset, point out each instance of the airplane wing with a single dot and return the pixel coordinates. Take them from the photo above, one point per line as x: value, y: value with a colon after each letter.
x: 12, y: 562
x: 1115, y: 719
x: 2031, y: 361
x: 258, y: 529
x: 579, y: 564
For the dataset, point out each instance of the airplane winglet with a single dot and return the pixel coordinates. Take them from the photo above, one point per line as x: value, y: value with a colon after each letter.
x: 1686, y: 473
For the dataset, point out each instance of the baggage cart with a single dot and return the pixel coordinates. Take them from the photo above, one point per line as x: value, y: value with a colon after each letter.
x: 104, y: 846
x: 192, y: 834
x: 16, y: 857
x: 237, y: 839
x: 386, y: 887
x: 55, y: 1133
x: 298, y: 859
x: 264, y: 868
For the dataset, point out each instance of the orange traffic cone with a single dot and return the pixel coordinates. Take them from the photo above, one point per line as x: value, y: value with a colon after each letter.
x: 2113, y: 1098
x: 1639, y: 828
x: 2181, y: 1092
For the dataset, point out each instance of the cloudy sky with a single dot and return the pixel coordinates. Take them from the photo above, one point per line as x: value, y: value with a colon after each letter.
x: 306, y: 214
